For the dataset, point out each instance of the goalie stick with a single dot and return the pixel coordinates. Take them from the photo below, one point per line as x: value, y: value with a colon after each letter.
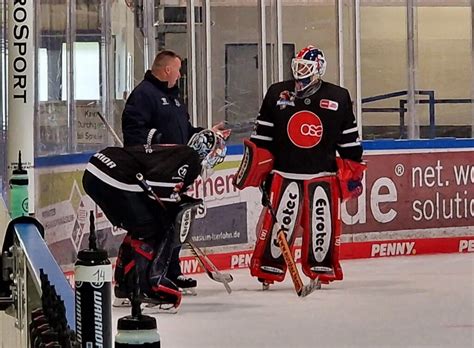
x: 110, y: 129
x: 301, y: 289
x: 210, y: 269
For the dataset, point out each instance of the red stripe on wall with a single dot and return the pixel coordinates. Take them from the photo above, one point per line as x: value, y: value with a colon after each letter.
x: 356, y: 250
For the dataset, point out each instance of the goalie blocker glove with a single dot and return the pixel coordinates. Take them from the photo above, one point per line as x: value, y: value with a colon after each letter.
x: 255, y: 166
x: 350, y: 175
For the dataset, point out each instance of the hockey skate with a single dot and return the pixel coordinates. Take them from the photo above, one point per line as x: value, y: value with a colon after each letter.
x: 150, y: 308
x: 164, y: 299
x: 155, y: 289
x: 157, y: 303
x: 166, y: 296
x: 265, y: 284
x: 186, y: 285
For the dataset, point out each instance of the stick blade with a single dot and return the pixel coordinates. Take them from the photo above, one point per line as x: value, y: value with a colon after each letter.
x: 224, y: 278
x: 210, y: 269
x: 314, y: 284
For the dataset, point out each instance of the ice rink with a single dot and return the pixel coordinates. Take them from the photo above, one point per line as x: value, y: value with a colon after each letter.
x: 417, y: 301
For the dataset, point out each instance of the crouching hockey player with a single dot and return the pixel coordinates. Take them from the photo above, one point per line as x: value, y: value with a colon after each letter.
x: 292, y: 157
x: 126, y: 183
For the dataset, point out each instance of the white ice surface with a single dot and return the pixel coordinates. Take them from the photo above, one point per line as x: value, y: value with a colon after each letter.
x: 417, y: 301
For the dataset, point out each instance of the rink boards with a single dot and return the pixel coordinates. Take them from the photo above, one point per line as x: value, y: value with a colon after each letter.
x: 418, y: 198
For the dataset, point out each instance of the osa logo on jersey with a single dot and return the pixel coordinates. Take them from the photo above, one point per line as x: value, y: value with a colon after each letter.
x: 305, y: 129
x: 286, y: 215
x: 321, y: 224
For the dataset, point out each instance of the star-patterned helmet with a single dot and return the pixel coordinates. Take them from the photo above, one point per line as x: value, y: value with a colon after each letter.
x: 308, y: 67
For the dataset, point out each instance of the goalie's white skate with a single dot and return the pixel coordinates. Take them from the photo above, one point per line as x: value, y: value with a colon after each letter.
x: 152, y: 308
x: 186, y: 285
x: 121, y: 302
x: 188, y: 291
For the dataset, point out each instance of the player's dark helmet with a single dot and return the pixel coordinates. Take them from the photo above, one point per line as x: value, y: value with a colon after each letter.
x: 308, y: 67
x: 210, y: 146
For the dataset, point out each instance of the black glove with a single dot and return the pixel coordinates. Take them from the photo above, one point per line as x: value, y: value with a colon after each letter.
x: 265, y: 199
x: 265, y: 189
x: 355, y: 187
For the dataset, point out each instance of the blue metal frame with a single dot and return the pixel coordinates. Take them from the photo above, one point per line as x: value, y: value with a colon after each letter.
x: 437, y: 143
x: 402, y: 106
x: 391, y: 144
x: 39, y: 257
x: 369, y: 145
x: 61, y: 160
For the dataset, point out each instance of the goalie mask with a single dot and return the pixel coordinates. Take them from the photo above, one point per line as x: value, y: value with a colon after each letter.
x: 308, y: 67
x: 210, y: 146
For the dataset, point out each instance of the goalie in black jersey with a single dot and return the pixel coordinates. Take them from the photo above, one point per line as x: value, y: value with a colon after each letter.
x: 119, y: 180
x: 302, y: 123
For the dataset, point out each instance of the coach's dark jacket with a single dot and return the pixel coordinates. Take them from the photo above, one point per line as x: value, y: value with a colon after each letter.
x: 155, y: 114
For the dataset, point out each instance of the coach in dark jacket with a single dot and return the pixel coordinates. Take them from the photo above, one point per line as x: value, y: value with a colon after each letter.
x: 155, y: 114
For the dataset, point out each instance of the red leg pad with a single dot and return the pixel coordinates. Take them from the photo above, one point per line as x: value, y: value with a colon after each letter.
x: 321, y: 229
x: 286, y: 197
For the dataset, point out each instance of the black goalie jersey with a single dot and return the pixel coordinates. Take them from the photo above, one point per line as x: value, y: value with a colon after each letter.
x: 110, y: 180
x: 304, y: 133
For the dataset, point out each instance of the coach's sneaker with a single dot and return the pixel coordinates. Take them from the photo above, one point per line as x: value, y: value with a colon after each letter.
x: 187, y: 285
x: 185, y: 282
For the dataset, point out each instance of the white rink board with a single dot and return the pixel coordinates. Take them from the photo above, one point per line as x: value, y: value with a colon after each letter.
x: 422, y: 301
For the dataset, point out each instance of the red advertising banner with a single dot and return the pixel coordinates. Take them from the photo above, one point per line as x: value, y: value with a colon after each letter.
x: 412, y: 191
x: 407, y: 247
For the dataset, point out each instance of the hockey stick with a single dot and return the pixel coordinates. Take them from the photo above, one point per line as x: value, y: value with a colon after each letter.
x: 210, y: 269
x: 110, y: 129
x: 301, y: 289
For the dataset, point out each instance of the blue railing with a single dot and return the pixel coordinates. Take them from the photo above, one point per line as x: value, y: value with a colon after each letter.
x: 401, y: 109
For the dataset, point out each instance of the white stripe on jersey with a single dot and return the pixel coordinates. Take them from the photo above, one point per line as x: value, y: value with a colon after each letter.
x: 261, y: 137
x: 351, y: 130
x: 356, y: 143
x: 111, y: 181
x: 264, y: 123
x: 161, y: 184
x: 123, y: 186
x: 168, y: 199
